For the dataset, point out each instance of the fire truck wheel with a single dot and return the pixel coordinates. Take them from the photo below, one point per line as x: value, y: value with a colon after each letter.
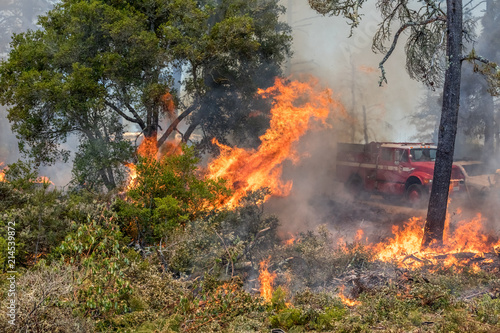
x: 415, y: 194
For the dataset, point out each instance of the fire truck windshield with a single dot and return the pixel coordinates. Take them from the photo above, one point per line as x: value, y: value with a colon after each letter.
x: 423, y: 154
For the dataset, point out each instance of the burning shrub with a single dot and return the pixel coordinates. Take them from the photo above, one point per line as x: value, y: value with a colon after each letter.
x: 316, y: 259
x: 165, y: 195
x: 224, y: 242
x: 39, y: 211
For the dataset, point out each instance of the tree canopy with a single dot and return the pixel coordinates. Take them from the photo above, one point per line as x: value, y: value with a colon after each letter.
x: 96, y: 66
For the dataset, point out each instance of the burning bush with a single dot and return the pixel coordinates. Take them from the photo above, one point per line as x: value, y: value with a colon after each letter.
x: 39, y: 211
x: 166, y: 195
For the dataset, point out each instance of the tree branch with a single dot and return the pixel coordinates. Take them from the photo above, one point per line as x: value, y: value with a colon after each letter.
x: 121, y: 113
x: 395, y: 42
x: 174, y: 124
x: 475, y: 57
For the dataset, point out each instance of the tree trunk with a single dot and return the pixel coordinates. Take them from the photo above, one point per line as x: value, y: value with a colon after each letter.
x: 438, y: 201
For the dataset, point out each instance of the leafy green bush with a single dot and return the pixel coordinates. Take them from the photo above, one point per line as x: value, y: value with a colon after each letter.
x: 166, y: 195
x: 310, y: 311
x: 488, y: 310
x: 38, y: 210
x: 97, y: 250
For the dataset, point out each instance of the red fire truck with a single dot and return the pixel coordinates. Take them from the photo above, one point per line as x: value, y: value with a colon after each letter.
x: 391, y: 169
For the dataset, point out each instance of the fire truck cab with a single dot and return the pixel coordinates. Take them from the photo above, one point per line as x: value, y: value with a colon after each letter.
x: 391, y: 169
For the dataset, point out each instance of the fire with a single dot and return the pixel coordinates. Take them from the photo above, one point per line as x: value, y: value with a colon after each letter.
x: 39, y: 180
x: 44, y: 180
x: 347, y: 301
x: 148, y: 148
x: 2, y: 173
x: 359, y: 235
x: 266, y: 280
x: 290, y: 241
x: 295, y: 105
x: 464, y: 236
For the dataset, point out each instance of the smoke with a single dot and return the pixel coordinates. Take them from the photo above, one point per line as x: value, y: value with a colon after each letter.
x: 16, y: 17
x: 322, y: 48
x: 348, y: 66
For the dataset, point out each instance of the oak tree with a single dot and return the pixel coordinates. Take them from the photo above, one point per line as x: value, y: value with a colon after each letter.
x: 96, y: 66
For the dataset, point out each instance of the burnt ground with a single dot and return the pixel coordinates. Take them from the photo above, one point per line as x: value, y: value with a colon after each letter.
x: 341, y: 213
x: 374, y: 214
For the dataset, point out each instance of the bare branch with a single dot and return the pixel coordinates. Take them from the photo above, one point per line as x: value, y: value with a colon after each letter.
x: 136, y: 115
x: 173, y: 125
x: 121, y: 113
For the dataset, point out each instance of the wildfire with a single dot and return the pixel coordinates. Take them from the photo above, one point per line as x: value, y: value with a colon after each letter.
x: 2, y: 173
x: 295, y: 105
x: 44, y: 180
x: 359, y: 235
x: 149, y: 148
x: 266, y: 280
x: 291, y: 240
x: 466, y: 236
x: 347, y: 301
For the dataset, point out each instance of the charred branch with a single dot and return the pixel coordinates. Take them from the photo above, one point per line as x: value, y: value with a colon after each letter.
x: 173, y: 125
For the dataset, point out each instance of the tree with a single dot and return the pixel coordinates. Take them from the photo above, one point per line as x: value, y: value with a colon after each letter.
x: 96, y: 66
x: 434, y: 46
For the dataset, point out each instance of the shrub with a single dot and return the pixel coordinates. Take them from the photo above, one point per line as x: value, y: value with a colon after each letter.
x: 167, y: 194
x: 97, y: 250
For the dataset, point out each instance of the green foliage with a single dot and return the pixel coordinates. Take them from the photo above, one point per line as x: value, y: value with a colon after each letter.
x: 94, y: 156
x: 488, y: 310
x: 166, y: 195
x: 37, y: 210
x: 102, y: 287
x: 94, y: 66
x: 216, y: 307
x: 310, y: 311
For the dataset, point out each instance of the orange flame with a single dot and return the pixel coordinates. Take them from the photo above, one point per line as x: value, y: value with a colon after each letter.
x: 295, y: 105
x: 266, y: 280
x: 290, y: 241
x: 149, y: 148
x: 44, y: 180
x: 359, y: 235
x: 347, y: 301
x: 168, y: 104
x: 466, y: 236
x: 2, y: 173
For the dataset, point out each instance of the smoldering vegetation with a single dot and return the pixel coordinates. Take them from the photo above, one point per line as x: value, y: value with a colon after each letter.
x: 153, y: 260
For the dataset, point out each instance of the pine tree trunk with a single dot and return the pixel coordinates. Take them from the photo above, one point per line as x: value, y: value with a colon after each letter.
x: 436, y: 214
